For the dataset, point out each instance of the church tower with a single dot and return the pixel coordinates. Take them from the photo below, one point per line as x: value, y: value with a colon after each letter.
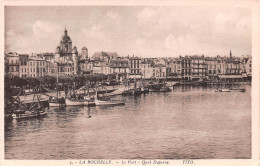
x: 65, y: 43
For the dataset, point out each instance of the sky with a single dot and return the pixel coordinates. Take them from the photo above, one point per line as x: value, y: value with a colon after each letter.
x: 146, y: 31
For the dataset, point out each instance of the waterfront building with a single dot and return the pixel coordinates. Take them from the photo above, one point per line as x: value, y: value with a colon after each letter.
x: 160, y: 71
x: 186, y: 68
x: 100, y: 67
x: 147, y: 69
x: 120, y: 67
x: 212, y: 67
x: 65, y: 69
x: 48, y: 57
x: 221, y: 65
x: 12, y: 62
x: 135, y: 67
x: 51, y: 69
x: 85, y: 66
x: 175, y: 69
x: 247, y: 65
x: 23, y: 67
x: 233, y: 66
x: 36, y: 67
x: 198, y: 68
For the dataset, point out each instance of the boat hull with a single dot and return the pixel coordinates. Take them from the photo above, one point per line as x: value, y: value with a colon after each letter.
x: 31, y: 115
x: 70, y: 102
x: 54, y: 104
x: 104, y: 103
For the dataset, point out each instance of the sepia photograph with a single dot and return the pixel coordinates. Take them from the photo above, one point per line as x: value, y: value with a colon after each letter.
x: 127, y: 82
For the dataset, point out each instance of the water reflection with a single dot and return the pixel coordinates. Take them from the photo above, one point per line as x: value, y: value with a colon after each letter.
x: 189, y: 122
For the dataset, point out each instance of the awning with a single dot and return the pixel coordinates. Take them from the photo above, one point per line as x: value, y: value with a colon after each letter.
x: 230, y: 76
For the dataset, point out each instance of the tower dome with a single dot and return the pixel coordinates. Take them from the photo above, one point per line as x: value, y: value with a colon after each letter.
x: 65, y: 37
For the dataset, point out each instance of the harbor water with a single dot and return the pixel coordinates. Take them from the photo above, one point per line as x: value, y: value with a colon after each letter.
x: 187, y: 123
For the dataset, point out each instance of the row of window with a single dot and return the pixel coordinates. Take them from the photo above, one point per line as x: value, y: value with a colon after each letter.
x: 134, y: 65
x: 135, y: 71
x: 37, y: 63
x: 13, y: 69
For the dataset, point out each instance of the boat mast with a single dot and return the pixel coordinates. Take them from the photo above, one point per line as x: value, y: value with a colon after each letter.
x: 57, y: 83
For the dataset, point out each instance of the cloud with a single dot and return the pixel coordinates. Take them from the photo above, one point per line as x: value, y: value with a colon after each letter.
x: 95, y: 32
x: 45, y: 29
x: 151, y: 30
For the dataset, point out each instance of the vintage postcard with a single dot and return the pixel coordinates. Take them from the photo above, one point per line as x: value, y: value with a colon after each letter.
x: 130, y: 83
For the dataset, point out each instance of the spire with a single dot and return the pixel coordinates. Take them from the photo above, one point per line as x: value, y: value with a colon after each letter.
x: 65, y: 31
x: 230, y: 54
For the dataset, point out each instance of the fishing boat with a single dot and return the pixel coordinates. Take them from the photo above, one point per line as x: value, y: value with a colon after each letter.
x: 224, y: 90
x: 127, y: 92
x: 56, y: 101
x: 19, y: 114
x: 34, y: 108
x: 106, y: 101
x: 231, y: 90
x: 77, y: 100
x: 160, y: 87
x: 142, y: 86
x: 137, y: 91
x: 237, y: 90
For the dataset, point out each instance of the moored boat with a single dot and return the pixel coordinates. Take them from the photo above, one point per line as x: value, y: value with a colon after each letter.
x: 108, y: 102
x: 77, y: 102
x: 29, y: 114
x: 224, y: 90
x: 237, y: 90
x: 231, y: 90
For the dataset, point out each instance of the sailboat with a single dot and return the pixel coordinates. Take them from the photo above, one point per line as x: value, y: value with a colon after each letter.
x: 77, y: 100
x: 34, y: 108
x: 56, y: 101
x: 127, y: 91
x: 143, y: 88
x: 105, y: 101
x: 136, y: 91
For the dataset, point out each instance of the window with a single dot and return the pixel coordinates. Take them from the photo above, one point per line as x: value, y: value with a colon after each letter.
x: 17, y: 68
